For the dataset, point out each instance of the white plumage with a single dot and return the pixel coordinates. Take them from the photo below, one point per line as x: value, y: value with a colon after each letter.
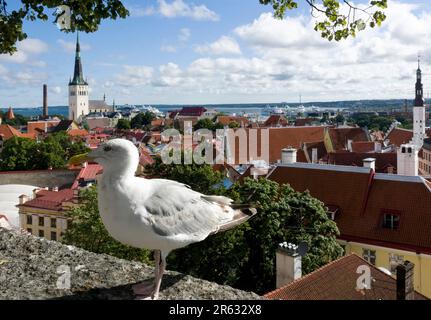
x: 155, y: 214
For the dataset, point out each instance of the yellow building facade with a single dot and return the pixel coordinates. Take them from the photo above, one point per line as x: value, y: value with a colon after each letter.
x: 44, y: 222
x: 388, y: 258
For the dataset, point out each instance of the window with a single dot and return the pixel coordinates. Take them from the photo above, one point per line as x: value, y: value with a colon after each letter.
x: 369, y: 255
x: 394, y: 261
x: 391, y: 221
x: 41, y: 221
x: 53, y: 223
x: 41, y: 233
x: 29, y: 219
x: 29, y: 230
x: 54, y: 236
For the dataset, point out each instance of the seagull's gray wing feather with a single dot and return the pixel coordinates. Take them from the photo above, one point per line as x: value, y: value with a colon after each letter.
x: 176, y: 210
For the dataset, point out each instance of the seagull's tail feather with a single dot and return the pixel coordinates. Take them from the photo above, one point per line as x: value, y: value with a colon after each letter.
x: 242, y: 213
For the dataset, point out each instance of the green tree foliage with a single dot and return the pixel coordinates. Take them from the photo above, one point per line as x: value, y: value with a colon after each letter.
x: 284, y: 215
x: 234, y: 125
x: 336, y: 25
x: 142, y: 119
x: 19, y: 120
x: 201, y: 178
x: 339, y: 118
x: 86, y: 16
x: 207, y: 123
x: 26, y: 154
x: 17, y: 154
x: 48, y: 154
x: 245, y: 256
x: 372, y: 122
x: 123, y: 124
x: 406, y: 123
x: 86, y: 230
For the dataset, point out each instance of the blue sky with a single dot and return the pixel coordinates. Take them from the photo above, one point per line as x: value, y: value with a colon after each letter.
x: 219, y: 51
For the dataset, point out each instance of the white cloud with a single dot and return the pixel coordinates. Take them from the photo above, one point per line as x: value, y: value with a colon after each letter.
x: 223, y: 46
x: 179, y: 8
x: 135, y: 76
x: 55, y: 89
x: 136, y: 11
x: 34, y: 46
x: 284, y: 58
x: 27, y: 50
x: 70, y: 46
x: 184, y: 35
x: 168, y: 48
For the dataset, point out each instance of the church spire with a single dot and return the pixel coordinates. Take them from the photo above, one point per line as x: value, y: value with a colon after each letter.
x: 78, y: 75
x: 419, y: 100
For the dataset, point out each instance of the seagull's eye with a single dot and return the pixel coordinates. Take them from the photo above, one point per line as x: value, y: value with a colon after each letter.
x: 107, y: 148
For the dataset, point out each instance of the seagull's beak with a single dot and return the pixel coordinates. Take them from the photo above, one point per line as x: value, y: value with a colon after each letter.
x: 80, y: 158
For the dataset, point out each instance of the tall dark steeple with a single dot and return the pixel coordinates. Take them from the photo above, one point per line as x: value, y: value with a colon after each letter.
x: 419, y: 99
x: 78, y: 75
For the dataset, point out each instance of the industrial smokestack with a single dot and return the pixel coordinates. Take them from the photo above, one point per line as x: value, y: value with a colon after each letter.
x: 45, y: 101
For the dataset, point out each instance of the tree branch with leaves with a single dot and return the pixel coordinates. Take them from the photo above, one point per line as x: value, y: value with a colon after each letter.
x: 336, y: 24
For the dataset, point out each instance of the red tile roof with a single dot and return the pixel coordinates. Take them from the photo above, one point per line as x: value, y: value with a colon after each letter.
x: 9, y: 114
x: 363, y: 197
x: 88, y: 173
x: 363, y: 146
x: 341, y: 136
x: 304, y: 122
x: 280, y: 138
x: 383, y: 160
x: 50, y: 200
x: 226, y: 120
x: 337, y: 281
x: 34, y: 127
x: 145, y: 158
x: 192, y: 111
x: 77, y: 133
x: 399, y: 136
x: 8, y: 131
x: 276, y: 121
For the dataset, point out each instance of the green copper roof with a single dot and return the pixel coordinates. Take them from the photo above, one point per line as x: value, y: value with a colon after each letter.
x: 78, y: 75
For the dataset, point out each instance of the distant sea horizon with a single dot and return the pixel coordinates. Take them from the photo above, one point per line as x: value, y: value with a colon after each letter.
x: 235, y: 108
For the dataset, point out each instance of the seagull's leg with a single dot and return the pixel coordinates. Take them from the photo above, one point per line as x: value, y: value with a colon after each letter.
x: 160, y: 276
x: 146, y: 288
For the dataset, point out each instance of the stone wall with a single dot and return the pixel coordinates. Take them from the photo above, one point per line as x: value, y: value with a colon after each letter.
x: 31, y: 267
x: 40, y: 178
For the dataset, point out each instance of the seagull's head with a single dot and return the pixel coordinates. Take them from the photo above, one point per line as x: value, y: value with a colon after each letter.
x: 117, y: 155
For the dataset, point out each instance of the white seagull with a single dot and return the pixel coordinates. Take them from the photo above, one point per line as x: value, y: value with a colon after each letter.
x: 155, y: 214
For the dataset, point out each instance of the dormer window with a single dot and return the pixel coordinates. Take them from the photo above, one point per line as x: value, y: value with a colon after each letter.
x: 391, y: 221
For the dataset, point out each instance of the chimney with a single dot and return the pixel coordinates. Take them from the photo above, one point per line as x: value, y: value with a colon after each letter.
x: 35, y: 191
x: 288, y: 264
x: 314, y: 155
x: 370, y: 163
x: 45, y: 101
x: 405, y: 287
x: 23, y: 199
x: 349, y: 145
x: 377, y: 147
x: 288, y: 156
